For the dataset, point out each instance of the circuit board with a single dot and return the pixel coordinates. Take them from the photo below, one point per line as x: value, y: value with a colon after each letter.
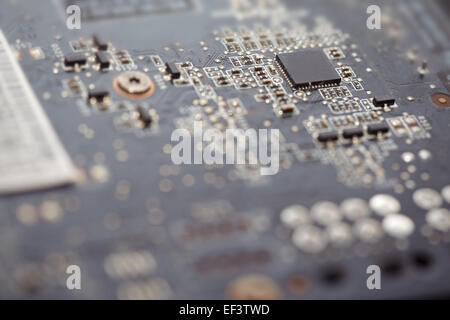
x: 88, y: 177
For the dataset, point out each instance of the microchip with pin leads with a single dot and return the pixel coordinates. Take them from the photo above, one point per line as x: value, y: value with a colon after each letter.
x: 309, y: 69
x: 73, y: 59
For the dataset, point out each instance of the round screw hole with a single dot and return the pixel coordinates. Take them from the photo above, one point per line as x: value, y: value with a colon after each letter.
x: 135, y: 80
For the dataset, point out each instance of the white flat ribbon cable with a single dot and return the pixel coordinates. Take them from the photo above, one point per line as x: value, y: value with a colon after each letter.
x: 31, y: 155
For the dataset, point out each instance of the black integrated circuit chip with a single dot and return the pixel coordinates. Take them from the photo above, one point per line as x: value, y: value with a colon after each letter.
x: 73, y: 59
x: 99, y: 43
x: 327, y: 137
x: 144, y: 116
x: 385, y: 100
x: 103, y: 60
x: 376, y: 128
x: 308, y: 69
x: 353, y: 133
x: 172, y: 69
x: 97, y: 95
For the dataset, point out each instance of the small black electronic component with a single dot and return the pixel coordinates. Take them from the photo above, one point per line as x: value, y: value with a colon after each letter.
x: 327, y: 136
x: 385, y: 100
x: 353, y: 133
x: 74, y: 59
x: 377, y: 128
x: 103, y: 60
x: 308, y: 69
x: 99, y: 43
x: 173, y: 70
x: 97, y: 96
x: 144, y: 116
